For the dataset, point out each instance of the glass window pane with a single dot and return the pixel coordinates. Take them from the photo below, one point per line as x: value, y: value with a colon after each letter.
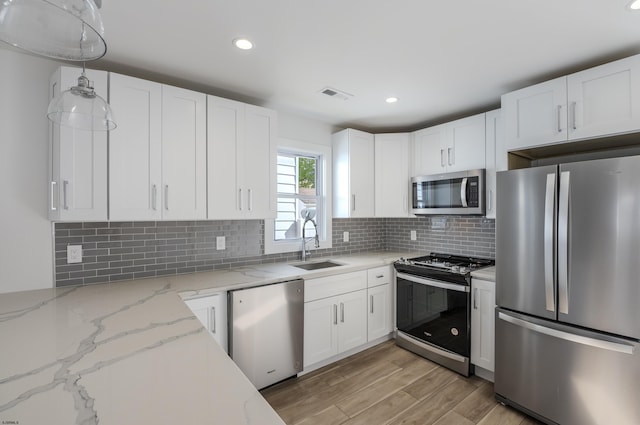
x: 307, y: 173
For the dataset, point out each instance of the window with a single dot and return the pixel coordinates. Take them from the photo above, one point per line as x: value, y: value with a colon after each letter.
x: 298, y: 196
x: 303, y: 191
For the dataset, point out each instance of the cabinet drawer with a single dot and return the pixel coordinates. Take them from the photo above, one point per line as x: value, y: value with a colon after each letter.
x: 378, y: 276
x: 324, y: 287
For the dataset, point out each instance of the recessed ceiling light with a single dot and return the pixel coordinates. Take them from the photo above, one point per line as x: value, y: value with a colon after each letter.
x: 395, y: 99
x: 243, y: 43
x: 634, y: 5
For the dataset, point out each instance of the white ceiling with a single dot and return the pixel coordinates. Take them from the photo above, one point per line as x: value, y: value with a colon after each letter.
x: 442, y: 59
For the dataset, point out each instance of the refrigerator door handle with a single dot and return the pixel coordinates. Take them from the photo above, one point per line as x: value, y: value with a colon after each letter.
x: 579, y: 339
x: 549, y: 236
x: 563, y: 243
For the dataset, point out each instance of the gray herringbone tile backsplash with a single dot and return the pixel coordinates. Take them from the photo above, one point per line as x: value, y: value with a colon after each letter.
x: 114, y: 251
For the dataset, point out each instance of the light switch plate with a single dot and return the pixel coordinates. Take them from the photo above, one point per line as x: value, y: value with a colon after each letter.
x: 221, y: 243
x: 413, y: 235
x: 345, y: 236
x: 74, y: 254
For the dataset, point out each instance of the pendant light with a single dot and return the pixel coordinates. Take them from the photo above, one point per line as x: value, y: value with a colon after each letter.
x: 59, y: 29
x: 82, y: 108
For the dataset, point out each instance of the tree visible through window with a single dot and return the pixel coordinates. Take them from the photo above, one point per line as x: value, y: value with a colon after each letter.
x: 298, y: 192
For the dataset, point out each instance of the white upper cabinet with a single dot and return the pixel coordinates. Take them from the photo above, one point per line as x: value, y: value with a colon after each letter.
x: 241, y: 152
x: 429, y: 150
x: 184, y: 154
x: 466, y: 148
x: 536, y: 115
x: 353, y: 174
x: 392, y: 175
x: 258, y: 164
x: 77, y: 159
x: 599, y: 101
x: 135, y: 150
x: 157, y: 159
x: 454, y: 146
x: 604, y: 100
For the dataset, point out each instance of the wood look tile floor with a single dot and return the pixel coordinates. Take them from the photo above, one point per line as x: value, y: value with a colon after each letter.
x: 389, y: 385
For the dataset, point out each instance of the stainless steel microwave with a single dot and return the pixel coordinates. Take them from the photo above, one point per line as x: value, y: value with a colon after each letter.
x: 460, y: 193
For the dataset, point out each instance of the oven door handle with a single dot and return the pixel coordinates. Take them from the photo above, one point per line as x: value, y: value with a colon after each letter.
x: 434, y: 283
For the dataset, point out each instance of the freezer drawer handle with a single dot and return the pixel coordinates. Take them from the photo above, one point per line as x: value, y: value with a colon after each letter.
x: 592, y: 342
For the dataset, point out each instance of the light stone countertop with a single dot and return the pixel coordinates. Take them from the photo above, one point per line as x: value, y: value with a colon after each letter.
x: 488, y: 273
x: 132, y: 352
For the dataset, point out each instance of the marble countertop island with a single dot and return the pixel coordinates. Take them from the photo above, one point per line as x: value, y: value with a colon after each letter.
x: 132, y: 352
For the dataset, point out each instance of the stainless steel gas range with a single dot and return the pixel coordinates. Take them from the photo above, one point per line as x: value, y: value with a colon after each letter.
x: 434, y: 307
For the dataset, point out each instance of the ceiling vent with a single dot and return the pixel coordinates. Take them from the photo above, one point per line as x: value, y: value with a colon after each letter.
x: 335, y: 93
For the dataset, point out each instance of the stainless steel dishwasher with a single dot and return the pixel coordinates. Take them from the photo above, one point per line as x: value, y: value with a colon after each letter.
x: 266, y: 331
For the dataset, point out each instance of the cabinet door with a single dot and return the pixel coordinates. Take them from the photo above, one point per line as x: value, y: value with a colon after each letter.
x: 392, y: 175
x: 225, y: 131
x: 483, y: 324
x: 212, y: 313
x: 429, y: 153
x: 352, y: 324
x: 466, y: 143
x: 361, y: 174
x: 536, y: 115
x: 258, y: 163
x: 605, y: 99
x: 494, y: 149
x: 78, y: 185
x: 379, y: 321
x: 320, y: 330
x: 184, y: 149
x: 353, y: 174
x: 135, y: 156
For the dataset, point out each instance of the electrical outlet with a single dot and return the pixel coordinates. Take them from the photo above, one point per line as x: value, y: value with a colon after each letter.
x: 74, y: 254
x: 345, y: 236
x: 221, y: 243
x: 413, y: 235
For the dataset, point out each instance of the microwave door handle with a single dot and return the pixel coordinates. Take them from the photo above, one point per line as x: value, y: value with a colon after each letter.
x: 463, y: 192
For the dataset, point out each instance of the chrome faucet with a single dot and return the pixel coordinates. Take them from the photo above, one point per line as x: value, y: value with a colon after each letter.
x: 308, y: 215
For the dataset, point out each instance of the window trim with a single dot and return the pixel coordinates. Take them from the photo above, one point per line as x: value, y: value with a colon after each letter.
x: 323, y: 152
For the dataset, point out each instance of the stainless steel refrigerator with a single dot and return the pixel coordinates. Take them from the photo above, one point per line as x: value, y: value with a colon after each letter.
x: 568, y: 291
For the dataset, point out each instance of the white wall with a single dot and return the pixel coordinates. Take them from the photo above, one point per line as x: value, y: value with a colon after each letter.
x: 304, y: 129
x: 26, y: 254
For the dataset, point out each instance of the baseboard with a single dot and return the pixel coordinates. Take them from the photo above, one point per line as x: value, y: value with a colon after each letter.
x: 485, y: 374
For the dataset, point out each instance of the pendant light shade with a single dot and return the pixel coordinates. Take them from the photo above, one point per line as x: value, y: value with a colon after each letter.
x: 60, y: 29
x: 80, y: 107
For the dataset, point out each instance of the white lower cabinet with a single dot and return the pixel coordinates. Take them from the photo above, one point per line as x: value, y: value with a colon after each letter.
x: 379, y: 320
x: 483, y: 323
x: 212, y: 312
x: 335, y: 315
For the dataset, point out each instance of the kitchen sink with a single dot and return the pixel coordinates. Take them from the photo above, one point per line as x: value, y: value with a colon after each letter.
x: 317, y: 265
